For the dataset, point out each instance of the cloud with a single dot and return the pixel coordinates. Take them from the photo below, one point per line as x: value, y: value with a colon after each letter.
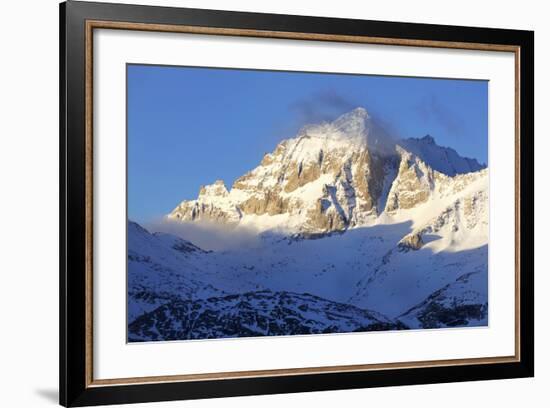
x: 384, y: 122
x: 323, y: 106
x: 208, y: 235
x: 431, y: 109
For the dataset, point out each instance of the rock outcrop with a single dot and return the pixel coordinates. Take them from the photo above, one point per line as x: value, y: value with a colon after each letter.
x: 411, y: 241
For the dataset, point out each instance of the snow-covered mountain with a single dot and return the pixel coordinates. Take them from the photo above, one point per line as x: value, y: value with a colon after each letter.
x: 330, y: 177
x: 390, y: 233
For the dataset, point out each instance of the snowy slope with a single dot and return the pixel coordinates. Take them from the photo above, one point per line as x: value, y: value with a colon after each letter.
x: 159, y: 272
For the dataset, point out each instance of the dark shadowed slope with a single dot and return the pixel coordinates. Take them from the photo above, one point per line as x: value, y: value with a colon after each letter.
x: 262, y: 313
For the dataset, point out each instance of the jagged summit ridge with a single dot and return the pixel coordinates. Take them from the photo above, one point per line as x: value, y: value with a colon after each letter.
x: 331, y: 177
x: 443, y: 159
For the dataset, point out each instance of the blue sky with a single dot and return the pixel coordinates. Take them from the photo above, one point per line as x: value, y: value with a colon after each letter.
x: 190, y: 126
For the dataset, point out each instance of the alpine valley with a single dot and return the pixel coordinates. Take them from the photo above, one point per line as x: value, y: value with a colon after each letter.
x: 354, y: 230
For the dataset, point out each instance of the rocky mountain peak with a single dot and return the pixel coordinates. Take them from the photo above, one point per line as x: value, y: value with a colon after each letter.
x: 331, y: 177
x: 353, y: 130
x: 443, y: 159
x: 428, y: 140
x: 355, y: 121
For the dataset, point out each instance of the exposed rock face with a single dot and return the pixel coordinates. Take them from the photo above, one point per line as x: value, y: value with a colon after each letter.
x: 269, y: 202
x: 413, y: 184
x: 330, y: 177
x: 325, y: 217
x: 410, y: 241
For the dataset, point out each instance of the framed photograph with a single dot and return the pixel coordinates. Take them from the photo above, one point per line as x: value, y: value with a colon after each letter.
x: 256, y: 204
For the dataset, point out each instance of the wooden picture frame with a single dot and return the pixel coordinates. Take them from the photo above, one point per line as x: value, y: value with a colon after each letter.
x: 78, y: 20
